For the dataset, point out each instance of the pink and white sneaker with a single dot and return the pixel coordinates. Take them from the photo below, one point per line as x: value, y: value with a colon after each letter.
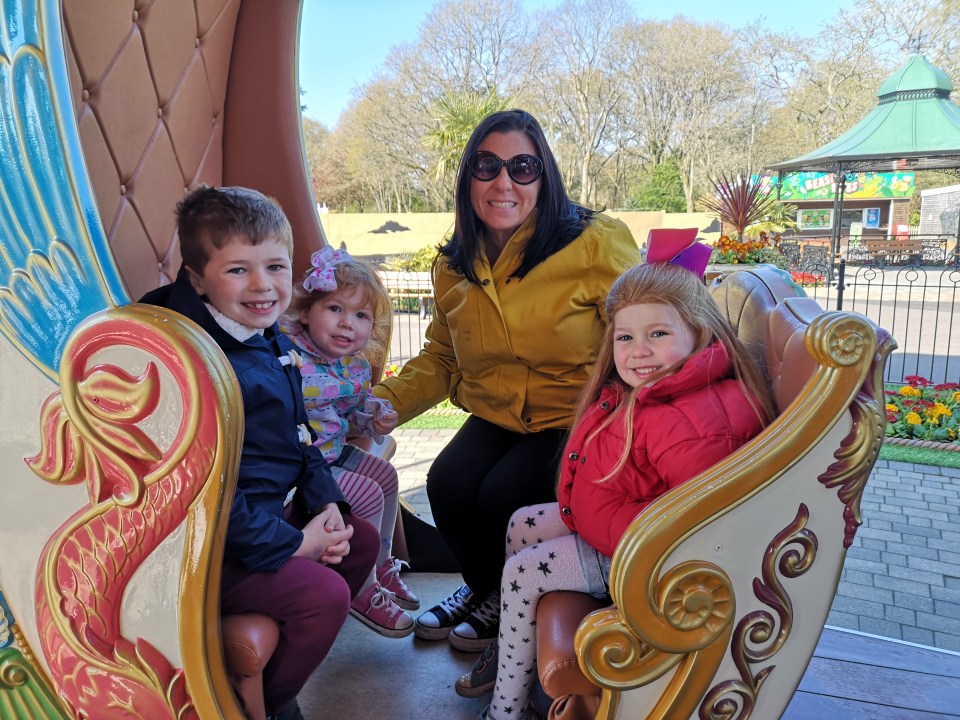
x: 388, y: 575
x: 375, y: 608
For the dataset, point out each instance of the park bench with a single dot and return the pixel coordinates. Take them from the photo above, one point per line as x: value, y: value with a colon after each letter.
x: 722, y: 586
x: 408, y: 285
x: 894, y: 249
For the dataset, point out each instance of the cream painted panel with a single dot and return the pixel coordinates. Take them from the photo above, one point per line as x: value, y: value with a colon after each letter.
x: 32, y: 509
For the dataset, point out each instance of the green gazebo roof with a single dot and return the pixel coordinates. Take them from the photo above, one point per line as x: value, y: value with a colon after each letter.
x: 915, y: 126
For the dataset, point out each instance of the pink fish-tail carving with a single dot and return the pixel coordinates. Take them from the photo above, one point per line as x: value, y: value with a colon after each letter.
x: 138, y: 494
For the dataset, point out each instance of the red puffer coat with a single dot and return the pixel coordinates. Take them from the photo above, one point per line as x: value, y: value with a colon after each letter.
x: 683, y: 424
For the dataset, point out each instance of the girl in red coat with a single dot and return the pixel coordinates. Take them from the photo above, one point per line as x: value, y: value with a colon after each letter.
x: 672, y: 393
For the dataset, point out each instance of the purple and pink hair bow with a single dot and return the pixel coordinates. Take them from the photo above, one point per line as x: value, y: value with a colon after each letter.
x: 678, y: 247
x: 323, y: 278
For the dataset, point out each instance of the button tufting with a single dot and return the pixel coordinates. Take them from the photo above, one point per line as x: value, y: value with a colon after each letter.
x: 123, y: 189
x: 196, y: 42
x: 135, y: 15
x: 159, y: 112
x: 85, y: 95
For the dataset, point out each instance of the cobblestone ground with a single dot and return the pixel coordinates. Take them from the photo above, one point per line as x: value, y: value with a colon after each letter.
x: 901, y: 578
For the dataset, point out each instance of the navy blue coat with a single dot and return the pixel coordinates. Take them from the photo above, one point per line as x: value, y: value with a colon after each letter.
x: 274, y: 459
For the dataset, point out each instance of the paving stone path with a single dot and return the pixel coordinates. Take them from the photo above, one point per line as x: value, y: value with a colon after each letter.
x: 901, y: 578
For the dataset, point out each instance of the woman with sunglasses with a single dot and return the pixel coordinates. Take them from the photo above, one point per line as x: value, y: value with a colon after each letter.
x: 519, y: 289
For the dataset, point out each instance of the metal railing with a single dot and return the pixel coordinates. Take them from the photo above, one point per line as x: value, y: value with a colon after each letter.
x: 918, y: 304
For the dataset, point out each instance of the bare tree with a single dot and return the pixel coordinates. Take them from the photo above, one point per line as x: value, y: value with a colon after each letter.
x: 582, y: 79
x: 692, y: 106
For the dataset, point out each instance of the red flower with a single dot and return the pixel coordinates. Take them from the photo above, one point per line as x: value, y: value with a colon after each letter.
x: 946, y: 386
x: 915, y: 380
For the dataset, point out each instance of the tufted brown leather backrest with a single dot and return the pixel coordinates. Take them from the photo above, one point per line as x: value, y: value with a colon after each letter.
x: 772, y: 331
x: 172, y: 93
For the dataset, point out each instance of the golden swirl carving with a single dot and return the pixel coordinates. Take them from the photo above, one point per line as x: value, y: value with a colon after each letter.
x: 759, y: 636
x: 14, y: 672
x: 138, y: 495
x: 839, y: 339
x: 859, y: 449
x: 696, y: 596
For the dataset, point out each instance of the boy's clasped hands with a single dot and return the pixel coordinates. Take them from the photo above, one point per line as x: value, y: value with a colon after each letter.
x: 326, y: 538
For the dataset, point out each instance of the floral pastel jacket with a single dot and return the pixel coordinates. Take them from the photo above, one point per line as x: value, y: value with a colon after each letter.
x: 336, y: 394
x: 513, y: 351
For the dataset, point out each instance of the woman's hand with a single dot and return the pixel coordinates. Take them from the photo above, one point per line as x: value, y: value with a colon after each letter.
x: 384, y: 422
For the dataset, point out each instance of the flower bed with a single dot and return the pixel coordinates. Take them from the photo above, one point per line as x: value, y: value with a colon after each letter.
x: 805, y: 279
x: 923, y: 412
x: 748, y: 251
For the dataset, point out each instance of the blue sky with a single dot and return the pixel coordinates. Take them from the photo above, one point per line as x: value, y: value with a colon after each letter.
x: 343, y: 43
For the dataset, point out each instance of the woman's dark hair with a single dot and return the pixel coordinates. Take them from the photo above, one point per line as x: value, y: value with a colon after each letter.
x: 559, y: 221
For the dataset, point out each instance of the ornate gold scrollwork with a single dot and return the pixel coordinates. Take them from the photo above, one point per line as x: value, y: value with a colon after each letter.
x: 839, y: 339
x: 861, y: 446
x: 758, y: 637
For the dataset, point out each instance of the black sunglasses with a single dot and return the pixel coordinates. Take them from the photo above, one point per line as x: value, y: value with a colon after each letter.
x: 522, y: 169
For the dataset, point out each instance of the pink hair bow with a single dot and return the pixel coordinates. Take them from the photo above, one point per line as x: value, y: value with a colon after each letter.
x: 322, y: 278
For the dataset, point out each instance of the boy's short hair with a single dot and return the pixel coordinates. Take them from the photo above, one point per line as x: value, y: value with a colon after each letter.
x: 216, y: 215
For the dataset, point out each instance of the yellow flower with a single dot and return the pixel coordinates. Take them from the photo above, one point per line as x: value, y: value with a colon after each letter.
x: 892, y: 408
x: 908, y: 391
x: 936, y: 410
x: 956, y: 396
x: 913, y: 419
x: 952, y: 433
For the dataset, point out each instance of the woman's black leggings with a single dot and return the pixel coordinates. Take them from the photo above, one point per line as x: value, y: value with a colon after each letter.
x: 477, y: 481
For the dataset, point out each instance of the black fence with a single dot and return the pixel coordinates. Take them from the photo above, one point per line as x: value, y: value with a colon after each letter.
x: 918, y: 303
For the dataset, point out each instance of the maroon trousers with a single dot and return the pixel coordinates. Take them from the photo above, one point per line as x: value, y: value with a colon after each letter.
x: 309, y: 601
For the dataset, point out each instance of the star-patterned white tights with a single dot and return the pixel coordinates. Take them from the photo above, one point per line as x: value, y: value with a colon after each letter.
x: 541, y: 557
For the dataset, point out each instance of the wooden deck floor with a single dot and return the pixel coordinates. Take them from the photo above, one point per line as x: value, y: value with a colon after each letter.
x: 863, y: 677
x: 852, y: 677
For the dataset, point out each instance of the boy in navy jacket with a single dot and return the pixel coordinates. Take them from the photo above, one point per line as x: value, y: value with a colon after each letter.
x: 299, y: 562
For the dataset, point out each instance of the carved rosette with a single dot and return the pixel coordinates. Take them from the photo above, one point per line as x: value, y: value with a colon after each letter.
x: 759, y: 636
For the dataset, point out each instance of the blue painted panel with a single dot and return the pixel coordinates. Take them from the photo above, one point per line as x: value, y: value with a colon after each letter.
x: 55, y: 263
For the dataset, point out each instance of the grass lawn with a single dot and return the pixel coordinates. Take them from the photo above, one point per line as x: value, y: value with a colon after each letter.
x: 898, y: 453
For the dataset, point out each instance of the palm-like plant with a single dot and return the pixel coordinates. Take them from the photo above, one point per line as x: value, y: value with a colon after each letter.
x: 740, y: 201
x: 456, y: 116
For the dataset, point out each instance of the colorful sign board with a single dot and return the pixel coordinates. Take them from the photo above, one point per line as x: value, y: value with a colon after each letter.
x: 822, y: 186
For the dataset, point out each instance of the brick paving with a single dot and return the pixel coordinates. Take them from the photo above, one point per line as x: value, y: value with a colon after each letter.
x: 901, y: 578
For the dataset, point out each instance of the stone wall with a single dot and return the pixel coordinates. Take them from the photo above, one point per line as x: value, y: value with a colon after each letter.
x: 379, y: 235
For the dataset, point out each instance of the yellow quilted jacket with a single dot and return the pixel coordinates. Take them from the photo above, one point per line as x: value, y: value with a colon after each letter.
x: 516, y: 352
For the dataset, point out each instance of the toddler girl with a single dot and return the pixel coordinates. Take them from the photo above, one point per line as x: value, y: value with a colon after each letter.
x: 331, y: 321
x: 673, y: 392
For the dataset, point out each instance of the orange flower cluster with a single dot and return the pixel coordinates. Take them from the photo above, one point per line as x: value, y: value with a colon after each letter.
x: 746, y: 250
